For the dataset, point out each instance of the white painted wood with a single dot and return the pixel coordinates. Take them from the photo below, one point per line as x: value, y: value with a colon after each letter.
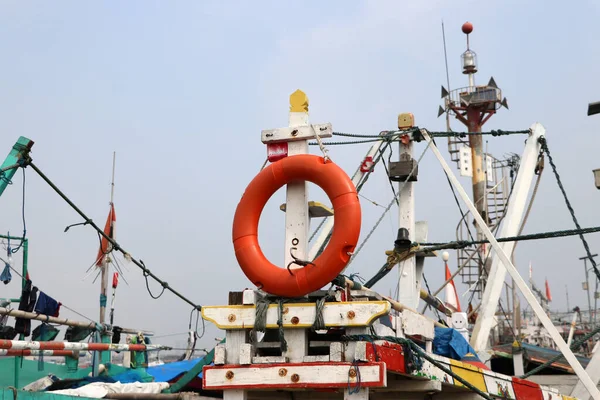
x: 350, y: 349
x: 235, y: 395
x: 297, y: 216
x: 334, y: 375
x: 328, y: 224
x: 429, y: 346
x: 363, y: 394
x: 408, y: 293
x: 220, y: 354
x: 295, y: 133
x: 498, y: 385
x: 510, y: 227
x: 311, y: 359
x: 246, y: 353
x: 416, y: 324
x: 465, y: 161
x: 572, y: 329
x: 593, y: 370
x: 297, y: 344
x: 518, y: 365
x: 233, y: 343
x: 269, y: 360
x: 249, y: 297
x: 519, y: 281
x: 336, y: 352
x: 360, y: 351
x: 356, y: 313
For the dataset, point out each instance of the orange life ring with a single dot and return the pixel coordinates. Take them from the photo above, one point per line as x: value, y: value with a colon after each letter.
x: 344, y: 198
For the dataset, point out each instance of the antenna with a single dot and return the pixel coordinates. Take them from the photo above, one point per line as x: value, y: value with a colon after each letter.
x: 447, y: 73
x: 112, y: 184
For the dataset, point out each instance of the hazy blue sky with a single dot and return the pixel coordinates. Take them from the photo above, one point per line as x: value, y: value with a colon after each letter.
x: 181, y: 90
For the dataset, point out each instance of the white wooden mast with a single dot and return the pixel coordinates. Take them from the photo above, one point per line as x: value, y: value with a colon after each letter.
x: 409, y: 283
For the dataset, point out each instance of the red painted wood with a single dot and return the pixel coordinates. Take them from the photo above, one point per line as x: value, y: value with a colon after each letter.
x: 389, y: 353
x: 526, y: 390
x: 291, y: 385
x: 14, y: 353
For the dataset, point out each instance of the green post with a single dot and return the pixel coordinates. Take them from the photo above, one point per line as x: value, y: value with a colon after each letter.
x: 8, y: 169
x: 24, y: 273
x: 105, y: 356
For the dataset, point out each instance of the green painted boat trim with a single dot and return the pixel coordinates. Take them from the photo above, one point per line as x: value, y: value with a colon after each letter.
x: 19, y: 151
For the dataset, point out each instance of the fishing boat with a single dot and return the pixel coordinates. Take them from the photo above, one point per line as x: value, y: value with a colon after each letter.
x: 307, y: 329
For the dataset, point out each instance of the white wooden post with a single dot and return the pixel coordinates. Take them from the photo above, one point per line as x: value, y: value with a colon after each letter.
x: 510, y: 227
x: 517, y: 353
x: 233, y: 343
x: 297, y: 219
x: 408, y: 293
x: 519, y: 281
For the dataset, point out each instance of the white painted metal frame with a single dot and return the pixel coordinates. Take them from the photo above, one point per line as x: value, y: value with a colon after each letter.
x: 521, y: 284
x: 510, y: 227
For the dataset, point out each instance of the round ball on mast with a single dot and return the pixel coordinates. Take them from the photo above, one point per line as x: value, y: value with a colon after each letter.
x: 469, y: 57
x: 467, y: 28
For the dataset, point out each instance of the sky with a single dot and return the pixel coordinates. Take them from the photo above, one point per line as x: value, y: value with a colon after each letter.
x: 181, y: 91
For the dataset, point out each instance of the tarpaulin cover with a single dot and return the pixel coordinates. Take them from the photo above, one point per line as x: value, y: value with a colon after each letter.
x: 450, y: 343
x: 166, y: 372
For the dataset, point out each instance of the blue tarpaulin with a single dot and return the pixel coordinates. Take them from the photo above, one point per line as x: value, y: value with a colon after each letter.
x: 166, y: 372
x: 450, y: 343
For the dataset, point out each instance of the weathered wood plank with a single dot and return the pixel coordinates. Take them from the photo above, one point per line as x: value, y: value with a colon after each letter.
x: 299, y: 315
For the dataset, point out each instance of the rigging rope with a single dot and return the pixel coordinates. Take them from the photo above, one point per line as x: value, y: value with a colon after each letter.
x: 388, y: 207
x: 574, y: 346
x: 394, y: 135
x: 545, y: 149
x: 411, y: 347
x: 359, y: 186
x: 113, y: 242
x: 459, y: 244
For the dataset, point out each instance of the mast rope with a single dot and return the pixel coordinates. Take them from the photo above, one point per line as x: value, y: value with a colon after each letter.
x: 359, y: 186
x: 543, y: 142
x: 574, y: 346
x: 395, y: 135
x: 112, y: 241
x: 391, y: 203
x: 460, y: 244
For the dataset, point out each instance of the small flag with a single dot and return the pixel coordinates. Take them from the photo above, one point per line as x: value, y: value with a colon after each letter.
x: 548, y: 295
x: 109, y: 230
x: 115, y: 280
x: 451, y: 294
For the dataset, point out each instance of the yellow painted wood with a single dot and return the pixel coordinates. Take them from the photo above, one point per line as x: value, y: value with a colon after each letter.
x: 298, y: 101
x: 469, y: 373
x: 233, y: 315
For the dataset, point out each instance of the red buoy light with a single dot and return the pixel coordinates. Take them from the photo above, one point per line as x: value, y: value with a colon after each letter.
x: 467, y: 28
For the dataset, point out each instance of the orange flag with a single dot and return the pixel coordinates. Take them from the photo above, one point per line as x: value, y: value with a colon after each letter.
x: 109, y: 230
x: 451, y: 294
x: 548, y: 295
